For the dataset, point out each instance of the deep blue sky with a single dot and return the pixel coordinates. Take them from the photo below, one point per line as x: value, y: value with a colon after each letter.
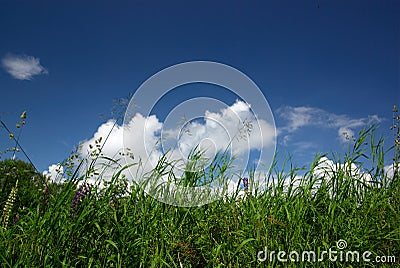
x: 342, y: 57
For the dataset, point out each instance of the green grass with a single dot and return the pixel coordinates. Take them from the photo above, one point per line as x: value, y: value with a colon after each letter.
x: 296, y: 213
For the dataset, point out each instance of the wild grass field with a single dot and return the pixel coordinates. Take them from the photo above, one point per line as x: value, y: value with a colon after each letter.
x: 337, y: 208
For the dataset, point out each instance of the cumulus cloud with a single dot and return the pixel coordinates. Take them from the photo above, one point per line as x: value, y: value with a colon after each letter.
x: 139, y: 143
x: 234, y: 127
x: 299, y: 117
x: 139, y: 139
x: 389, y: 170
x: 328, y: 168
x: 22, y: 67
x: 54, y: 173
x: 324, y: 171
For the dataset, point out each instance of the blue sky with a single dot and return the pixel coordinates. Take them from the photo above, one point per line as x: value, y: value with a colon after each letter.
x: 322, y: 65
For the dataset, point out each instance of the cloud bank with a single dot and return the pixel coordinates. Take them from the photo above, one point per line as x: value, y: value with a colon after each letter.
x: 225, y: 128
x: 141, y: 144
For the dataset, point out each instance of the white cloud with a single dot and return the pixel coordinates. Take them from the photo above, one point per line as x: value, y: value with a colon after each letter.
x: 328, y: 168
x: 234, y: 127
x: 140, y: 129
x: 345, y: 134
x: 22, y: 67
x: 54, y: 173
x: 325, y: 170
x: 142, y: 135
x: 299, y: 117
x: 389, y: 170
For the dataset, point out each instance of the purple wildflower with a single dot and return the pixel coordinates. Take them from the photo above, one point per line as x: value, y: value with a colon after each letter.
x: 44, y: 196
x: 80, y: 195
x: 245, y: 183
x: 44, y: 201
x: 16, y: 219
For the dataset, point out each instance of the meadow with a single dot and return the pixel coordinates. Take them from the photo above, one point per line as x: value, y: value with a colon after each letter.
x: 72, y: 224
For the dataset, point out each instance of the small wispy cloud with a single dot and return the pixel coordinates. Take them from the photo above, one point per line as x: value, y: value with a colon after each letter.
x: 22, y: 67
x: 299, y: 117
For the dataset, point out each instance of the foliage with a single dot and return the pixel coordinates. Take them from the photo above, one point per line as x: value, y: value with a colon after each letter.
x: 118, y: 228
x: 30, y: 185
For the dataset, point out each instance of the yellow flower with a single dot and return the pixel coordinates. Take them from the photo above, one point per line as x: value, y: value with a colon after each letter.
x: 11, y: 136
x: 23, y: 115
